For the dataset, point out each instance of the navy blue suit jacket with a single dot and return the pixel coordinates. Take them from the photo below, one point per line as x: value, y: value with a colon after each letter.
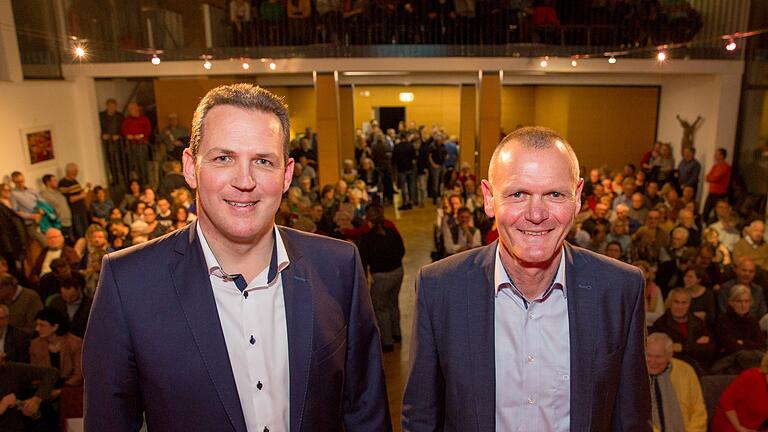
x: 452, y: 383
x: 154, y: 343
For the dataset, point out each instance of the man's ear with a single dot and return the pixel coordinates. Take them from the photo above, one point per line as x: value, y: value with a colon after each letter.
x: 487, y: 189
x: 288, y: 174
x: 190, y: 170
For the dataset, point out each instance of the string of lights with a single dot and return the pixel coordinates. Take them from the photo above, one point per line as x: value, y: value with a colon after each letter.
x: 661, y: 52
x: 80, y: 49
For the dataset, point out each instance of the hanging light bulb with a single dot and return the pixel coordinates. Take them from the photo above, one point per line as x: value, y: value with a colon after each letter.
x: 272, y: 66
x: 661, y: 56
x: 731, y: 45
x: 612, y: 60
x: 155, y: 59
x: 207, y: 64
x: 544, y: 62
x: 574, y: 63
x: 246, y: 65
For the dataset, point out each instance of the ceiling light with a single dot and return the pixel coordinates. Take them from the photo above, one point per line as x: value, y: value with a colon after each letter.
x: 612, y: 60
x: 155, y: 59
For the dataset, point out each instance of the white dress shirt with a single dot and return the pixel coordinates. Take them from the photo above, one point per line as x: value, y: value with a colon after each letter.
x: 256, y: 333
x: 532, y: 355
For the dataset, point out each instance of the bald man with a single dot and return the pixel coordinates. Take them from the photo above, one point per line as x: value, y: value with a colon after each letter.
x: 529, y: 333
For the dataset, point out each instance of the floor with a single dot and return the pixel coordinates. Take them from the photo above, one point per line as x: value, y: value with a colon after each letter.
x: 415, y: 226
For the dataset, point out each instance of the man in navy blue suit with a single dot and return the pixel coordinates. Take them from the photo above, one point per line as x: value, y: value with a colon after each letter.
x: 234, y: 324
x: 529, y: 333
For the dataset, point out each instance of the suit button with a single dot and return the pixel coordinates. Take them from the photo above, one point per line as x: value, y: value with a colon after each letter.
x: 259, y: 385
x: 266, y: 429
x: 253, y: 340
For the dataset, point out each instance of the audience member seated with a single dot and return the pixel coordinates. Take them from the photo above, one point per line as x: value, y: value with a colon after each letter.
x: 613, y: 250
x: 51, y: 283
x: 745, y: 271
x: 722, y: 256
x: 23, y: 303
x: 753, y: 245
x: 598, y: 217
x: 133, y: 195
x: 95, y: 240
x: 743, y: 405
x: 55, y: 347
x: 462, y: 235
x: 692, y: 341
x: 154, y: 227
x: 727, y: 230
x: 13, y: 342
x: 55, y: 248
x: 686, y: 219
x: 711, y: 272
x: 654, y: 300
x: 703, y: 304
x: 100, y: 207
x: 652, y: 226
x: 93, y: 272
x: 676, y: 399
x: 15, y: 379
x: 74, y: 304
x: 738, y: 333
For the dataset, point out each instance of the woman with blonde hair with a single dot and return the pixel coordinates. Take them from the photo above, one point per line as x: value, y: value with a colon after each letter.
x: 654, y: 302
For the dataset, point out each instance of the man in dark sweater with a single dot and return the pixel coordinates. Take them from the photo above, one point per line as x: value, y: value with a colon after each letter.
x: 72, y: 302
x: 15, y: 377
x: 111, y: 121
x: 404, y: 158
x: 70, y: 187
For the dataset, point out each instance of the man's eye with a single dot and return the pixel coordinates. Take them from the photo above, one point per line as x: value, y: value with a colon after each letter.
x: 222, y: 158
x: 516, y: 194
x: 265, y: 162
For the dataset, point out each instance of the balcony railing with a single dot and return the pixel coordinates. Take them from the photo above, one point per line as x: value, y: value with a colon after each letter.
x: 184, y: 30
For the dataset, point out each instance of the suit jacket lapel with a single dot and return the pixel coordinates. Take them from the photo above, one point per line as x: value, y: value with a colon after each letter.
x: 193, y: 288
x: 299, y: 313
x: 582, y: 311
x: 481, y: 325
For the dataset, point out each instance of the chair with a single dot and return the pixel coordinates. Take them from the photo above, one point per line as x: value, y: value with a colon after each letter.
x: 712, y: 386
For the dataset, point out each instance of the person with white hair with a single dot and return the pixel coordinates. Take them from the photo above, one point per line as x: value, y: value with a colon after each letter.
x: 753, y: 245
x: 676, y: 398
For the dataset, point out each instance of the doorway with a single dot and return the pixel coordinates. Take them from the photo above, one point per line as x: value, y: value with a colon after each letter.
x: 390, y: 117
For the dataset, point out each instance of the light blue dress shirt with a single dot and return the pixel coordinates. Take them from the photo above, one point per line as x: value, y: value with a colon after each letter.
x: 532, y: 355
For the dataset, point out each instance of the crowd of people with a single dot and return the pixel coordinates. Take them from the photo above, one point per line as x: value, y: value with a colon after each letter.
x: 705, y: 272
x: 302, y: 22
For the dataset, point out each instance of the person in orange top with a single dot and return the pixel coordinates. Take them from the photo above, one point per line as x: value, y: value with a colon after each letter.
x: 719, y: 179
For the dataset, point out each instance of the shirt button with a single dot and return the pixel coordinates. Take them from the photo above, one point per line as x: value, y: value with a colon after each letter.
x: 531, y: 358
x: 266, y: 429
x: 259, y: 385
x: 253, y: 340
x: 531, y: 401
x: 530, y: 316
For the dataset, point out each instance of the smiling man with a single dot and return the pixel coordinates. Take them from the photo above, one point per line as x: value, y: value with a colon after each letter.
x: 229, y: 324
x: 529, y: 333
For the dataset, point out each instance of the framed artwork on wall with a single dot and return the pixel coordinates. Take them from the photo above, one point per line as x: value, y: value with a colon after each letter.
x: 37, y: 145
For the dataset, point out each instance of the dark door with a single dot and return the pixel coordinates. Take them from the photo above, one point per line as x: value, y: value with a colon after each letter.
x: 389, y: 117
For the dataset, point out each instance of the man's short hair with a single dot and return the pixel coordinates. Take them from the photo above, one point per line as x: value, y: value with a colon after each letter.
x: 54, y: 316
x: 661, y: 338
x: 245, y: 96
x: 535, y: 138
x: 47, y: 178
x: 111, y: 100
x: 679, y: 290
x: 59, y: 263
x: 723, y: 151
x: 15, y: 174
x: 8, y: 281
x: 73, y: 282
x: 683, y: 230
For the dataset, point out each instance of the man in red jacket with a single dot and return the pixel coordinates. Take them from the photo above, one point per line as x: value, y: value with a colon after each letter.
x: 719, y: 178
x: 137, y: 130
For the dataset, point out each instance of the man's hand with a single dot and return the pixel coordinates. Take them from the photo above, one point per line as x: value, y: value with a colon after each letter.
x: 676, y: 347
x: 31, y: 406
x: 104, y: 136
x: 8, y: 401
x: 703, y: 340
x: 37, y: 217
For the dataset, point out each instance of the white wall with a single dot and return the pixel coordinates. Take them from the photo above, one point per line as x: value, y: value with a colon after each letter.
x: 117, y: 89
x: 68, y: 106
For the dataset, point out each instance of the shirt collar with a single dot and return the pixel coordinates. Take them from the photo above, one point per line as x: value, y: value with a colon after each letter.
x: 501, y: 278
x: 277, y: 262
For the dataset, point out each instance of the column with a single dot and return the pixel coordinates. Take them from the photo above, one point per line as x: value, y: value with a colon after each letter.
x: 328, y: 142
x: 489, y: 117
